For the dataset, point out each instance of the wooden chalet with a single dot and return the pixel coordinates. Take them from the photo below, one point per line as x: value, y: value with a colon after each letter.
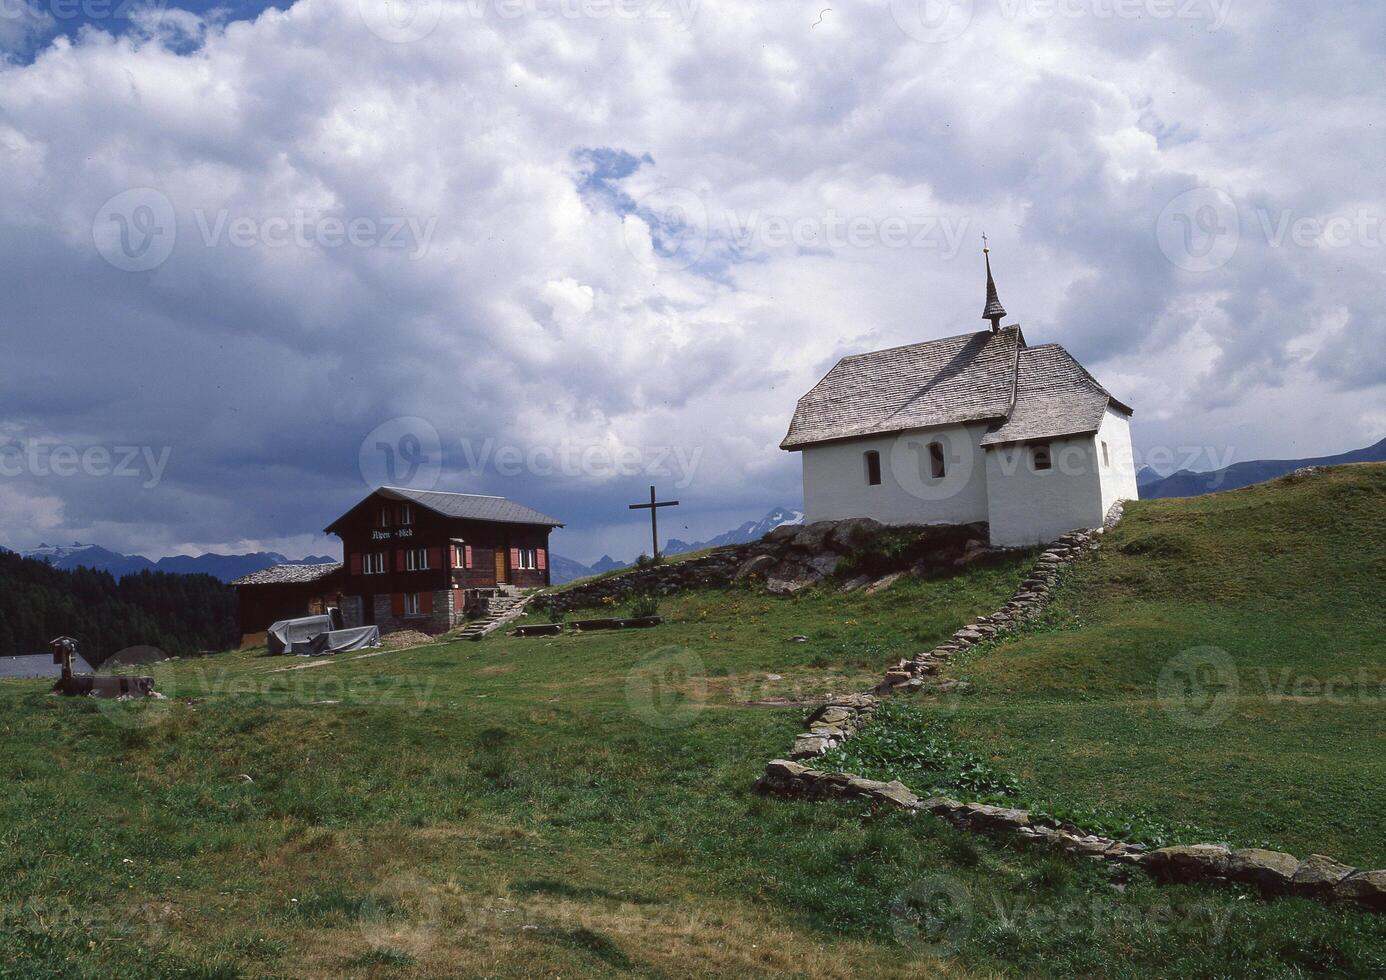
x: 422, y: 559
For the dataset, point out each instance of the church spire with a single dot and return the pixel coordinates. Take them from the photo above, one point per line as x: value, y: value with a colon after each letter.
x: 994, y: 311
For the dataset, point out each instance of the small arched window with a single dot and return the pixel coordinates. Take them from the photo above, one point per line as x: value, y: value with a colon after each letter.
x: 873, y: 468
x: 1041, y: 457
x: 937, y: 468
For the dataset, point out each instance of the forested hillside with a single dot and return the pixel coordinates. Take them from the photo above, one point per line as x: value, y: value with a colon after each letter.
x: 179, y: 614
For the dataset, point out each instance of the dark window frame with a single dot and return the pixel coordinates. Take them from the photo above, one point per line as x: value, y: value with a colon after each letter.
x: 872, y: 460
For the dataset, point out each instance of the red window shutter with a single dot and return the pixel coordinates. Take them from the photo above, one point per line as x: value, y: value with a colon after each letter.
x: 435, y: 557
x: 543, y: 559
x: 399, y: 560
x: 397, y: 603
x: 425, y: 602
x: 356, y: 564
x: 514, y: 557
x: 467, y: 558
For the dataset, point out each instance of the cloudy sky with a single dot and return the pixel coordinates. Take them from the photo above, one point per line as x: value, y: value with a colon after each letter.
x: 253, y: 259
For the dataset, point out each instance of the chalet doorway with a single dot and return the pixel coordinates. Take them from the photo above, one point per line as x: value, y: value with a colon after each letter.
x: 500, y: 567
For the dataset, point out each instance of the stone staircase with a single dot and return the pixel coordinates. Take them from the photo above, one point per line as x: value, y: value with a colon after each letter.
x: 506, y: 606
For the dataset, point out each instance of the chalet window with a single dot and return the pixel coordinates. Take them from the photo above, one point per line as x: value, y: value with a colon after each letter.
x: 411, y: 604
x: 416, y: 560
x: 873, y: 468
x: 529, y: 559
x: 1041, y: 458
x: 1106, y: 459
x: 406, y: 514
x: 373, y: 564
x: 384, y: 515
x: 937, y: 468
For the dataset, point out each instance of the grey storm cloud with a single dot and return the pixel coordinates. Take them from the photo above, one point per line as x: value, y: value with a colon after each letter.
x: 560, y: 237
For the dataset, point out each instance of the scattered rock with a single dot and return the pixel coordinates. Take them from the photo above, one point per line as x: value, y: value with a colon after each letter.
x: 1192, y: 862
x: 1364, y: 887
x: 797, y: 639
x: 755, y: 566
x: 1318, y: 874
x: 884, y: 582
x: 1267, y: 869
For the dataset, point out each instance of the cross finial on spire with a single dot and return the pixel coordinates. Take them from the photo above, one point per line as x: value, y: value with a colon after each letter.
x: 993, y: 311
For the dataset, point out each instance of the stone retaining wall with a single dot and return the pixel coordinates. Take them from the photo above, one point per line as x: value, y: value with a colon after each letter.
x: 1273, y: 872
x: 717, y: 568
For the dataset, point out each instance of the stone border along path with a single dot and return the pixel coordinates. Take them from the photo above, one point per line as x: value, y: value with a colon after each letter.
x: 1273, y: 872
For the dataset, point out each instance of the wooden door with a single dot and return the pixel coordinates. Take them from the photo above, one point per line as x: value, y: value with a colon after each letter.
x: 500, y: 566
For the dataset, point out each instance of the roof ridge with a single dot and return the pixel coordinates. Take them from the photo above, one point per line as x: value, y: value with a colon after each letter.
x: 448, y: 493
x: 921, y: 343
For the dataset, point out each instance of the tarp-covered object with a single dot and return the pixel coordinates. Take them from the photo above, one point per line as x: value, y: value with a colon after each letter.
x: 285, y: 633
x: 338, y: 641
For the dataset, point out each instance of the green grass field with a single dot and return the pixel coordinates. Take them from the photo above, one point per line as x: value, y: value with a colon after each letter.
x: 581, y: 805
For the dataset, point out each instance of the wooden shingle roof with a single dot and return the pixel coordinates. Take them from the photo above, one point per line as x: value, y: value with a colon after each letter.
x: 288, y: 574
x: 1025, y: 393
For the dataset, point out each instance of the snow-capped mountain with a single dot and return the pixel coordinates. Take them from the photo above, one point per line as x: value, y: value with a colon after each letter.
x: 750, y: 531
x: 224, y: 567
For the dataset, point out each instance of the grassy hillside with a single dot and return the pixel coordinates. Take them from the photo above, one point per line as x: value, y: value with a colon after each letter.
x: 581, y: 805
x: 1270, y: 599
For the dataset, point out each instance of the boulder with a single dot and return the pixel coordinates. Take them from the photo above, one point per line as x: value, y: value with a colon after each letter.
x: 994, y: 817
x: 755, y: 566
x: 814, y: 537
x: 1364, y: 887
x: 784, y: 532
x: 884, y: 582
x: 809, y: 745
x: 1191, y: 862
x: 825, y: 565
x: 856, y: 583
x: 1318, y: 875
x: 941, y: 806
x: 783, y: 769
x: 1266, y: 869
x: 852, y: 533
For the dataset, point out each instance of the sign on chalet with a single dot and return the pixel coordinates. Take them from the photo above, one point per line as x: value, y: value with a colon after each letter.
x: 422, y: 559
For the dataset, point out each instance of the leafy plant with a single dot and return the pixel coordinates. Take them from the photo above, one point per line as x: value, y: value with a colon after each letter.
x: 644, y: 606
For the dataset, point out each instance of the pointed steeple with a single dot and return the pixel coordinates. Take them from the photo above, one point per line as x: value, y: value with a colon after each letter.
x: 994, y: 311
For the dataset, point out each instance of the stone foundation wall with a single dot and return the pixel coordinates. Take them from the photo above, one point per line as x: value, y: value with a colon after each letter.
x: 443, y: 618
x: 718, y: 568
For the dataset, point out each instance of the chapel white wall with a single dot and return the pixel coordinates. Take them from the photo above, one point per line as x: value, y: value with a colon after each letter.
x: 1119, y: 472
x: 835, y: 484
x: 1027, y: 506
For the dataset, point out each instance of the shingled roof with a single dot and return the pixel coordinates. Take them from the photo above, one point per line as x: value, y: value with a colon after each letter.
x: 1055, y: 397
x: 288, y: 574
x: 1024, y: 392
x: 468, y: 506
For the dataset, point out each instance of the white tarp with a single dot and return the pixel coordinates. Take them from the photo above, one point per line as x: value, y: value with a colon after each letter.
x: 284, y: 634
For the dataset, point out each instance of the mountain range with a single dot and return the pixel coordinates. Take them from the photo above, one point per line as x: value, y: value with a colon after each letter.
x: 1187, y: 483
x: 224, y: 567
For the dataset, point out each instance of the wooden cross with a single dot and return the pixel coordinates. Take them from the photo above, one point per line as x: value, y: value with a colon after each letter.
x: 653, y: 507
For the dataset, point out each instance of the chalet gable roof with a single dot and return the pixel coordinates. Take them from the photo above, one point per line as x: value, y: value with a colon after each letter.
x: 1023, y: 392
x: 289, y: 574
x: 465, y: 506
